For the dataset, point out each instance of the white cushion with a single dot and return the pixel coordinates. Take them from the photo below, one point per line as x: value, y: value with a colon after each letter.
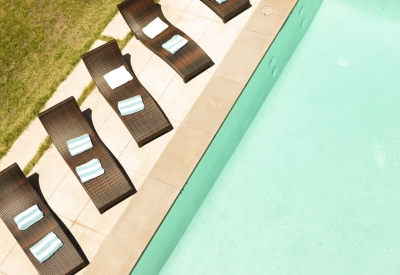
x: 154, y: 28
x: 118, y: 77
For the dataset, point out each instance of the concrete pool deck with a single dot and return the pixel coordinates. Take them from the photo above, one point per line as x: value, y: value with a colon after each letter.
x: 114, y: 241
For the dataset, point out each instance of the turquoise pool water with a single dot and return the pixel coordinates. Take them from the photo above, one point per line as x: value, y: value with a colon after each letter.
x: 313, y: 187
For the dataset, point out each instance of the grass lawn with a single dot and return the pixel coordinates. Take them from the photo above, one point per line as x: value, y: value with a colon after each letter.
x: 41, y: 42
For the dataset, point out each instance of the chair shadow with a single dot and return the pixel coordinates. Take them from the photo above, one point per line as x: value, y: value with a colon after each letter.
x: 88, y: 116
x: 127, y: 58
x: 34, y: 180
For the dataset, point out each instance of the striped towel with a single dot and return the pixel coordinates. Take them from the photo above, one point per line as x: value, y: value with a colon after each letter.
x: 154, y: 28
x: 46, y: 247
x: 221, y: 1
x: 79, y: 144
x: 90, y: 170
x: 175, y: 44
x: 28, y: 217
x: 118, y: 77
x: 131, y: 105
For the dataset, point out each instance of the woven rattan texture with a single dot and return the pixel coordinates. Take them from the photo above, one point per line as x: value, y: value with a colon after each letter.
x: 16, y: 195
x: 229, y: 9
x: 65, y: 121
x: 145, y: 125
x: 188, y: 62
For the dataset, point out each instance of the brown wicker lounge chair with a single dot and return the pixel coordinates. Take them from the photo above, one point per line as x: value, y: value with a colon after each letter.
x: 145, y: 125
x: 65, y: 121
x: 16, y: 195
x: 229, y: 9
x: 188, y: 62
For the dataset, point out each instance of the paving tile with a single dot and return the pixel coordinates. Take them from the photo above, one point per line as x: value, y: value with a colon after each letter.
x: 81, y: 272
x: 176, y: 163
x: 24, y: 148
x: 171, y: 14
x: 176, y: 4
x: 134, y: 43
x: 141, y: 160
x: 136, y: 178
x: 101, y: 223
x: 37, y: 127
x: 117, y: 28
x: 217, y: 99
x: 7, y: 241
x: 244, y: 56
x: 7, y: 160
x: 65, y: 90
x: 113, y: 257
x: 241, y: 20
x: 114, y: 134
x: 100, y: 108
x: 69, y: 198
x: 90, y: 241
x: 193, y: 25
x: 200, y: 9
x: 17, y: 263
x: 156, y: 76
x: 217, y: 40
x: 52, y: 169
x: 97, y: 44
x: 138, y: 58
x: 179, y: 97
x: 266, y: 25
x: 144, y: 214
x: 80, y: 77
x: 284, y: 7
x: 67, y: 222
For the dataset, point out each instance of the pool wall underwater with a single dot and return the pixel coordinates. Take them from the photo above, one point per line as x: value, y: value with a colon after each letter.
x: 227, y: 139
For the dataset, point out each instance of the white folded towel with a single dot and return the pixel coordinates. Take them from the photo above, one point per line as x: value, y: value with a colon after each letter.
x: 118, y: 77
x: 175, y: 44
x: 46, y: 247
x: 131, y: 105
x: 154, y: 28
x: 28, y: 217
x: 90, y: 170
x: 79, y: 144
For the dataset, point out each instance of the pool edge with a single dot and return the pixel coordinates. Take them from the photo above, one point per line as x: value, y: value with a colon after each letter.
x: 214, y: 154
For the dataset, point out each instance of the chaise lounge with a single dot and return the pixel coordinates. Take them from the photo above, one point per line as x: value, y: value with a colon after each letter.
x: 188, y: 62
x: 64, y: 122
x: 228, y: 9
x: 17, y: 195
x: 146, y: 125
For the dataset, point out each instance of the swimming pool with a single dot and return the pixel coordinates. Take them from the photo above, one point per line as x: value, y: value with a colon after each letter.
x: 312, y: 186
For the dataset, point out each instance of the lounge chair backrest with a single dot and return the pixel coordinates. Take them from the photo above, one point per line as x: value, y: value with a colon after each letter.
x: 13, y: 184
x: 145, y: 125
x: 65, y: 121
x: 101, y: 61
x: 139, y: 13
x: 189, y: 61
x: 16, y: 195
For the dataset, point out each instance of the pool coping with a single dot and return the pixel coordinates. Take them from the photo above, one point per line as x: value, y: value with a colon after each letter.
x: 148, y: 208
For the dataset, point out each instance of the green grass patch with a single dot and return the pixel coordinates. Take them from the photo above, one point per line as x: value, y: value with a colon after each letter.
x: 86, y: 92
x: 41, y: 42
x: 42, y: 148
